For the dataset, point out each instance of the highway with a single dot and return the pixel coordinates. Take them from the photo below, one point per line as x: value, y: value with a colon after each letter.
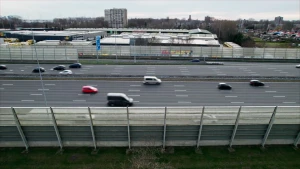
x: 229, y: 69
x: 67, y: 93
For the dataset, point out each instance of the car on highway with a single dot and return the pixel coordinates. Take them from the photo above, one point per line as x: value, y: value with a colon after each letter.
x: 59, y: 67
x: 75, y: 65
x: 151, y: 80
x: 195, y: 60
x: 224, y: 86
x: 3, y: 67
x: 297, y: 66
x: 66, y: 72
x: 119, y: 99
x: 89, y: 89
x: 38, y: 69
x: 256, y: 83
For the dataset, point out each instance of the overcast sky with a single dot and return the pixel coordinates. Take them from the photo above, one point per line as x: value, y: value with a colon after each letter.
x: 220, y: 9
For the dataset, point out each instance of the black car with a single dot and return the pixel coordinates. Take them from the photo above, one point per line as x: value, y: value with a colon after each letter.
x: 256, y: 83
x: 60, y: 67
x: 75, y: 65
x: 224, y: 86
x: 3, y: 67
x: 195, y: 60
x: 38, y: 69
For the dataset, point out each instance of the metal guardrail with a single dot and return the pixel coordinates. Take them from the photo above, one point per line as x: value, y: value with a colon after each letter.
x: 149, y: 126
x: 52, y: 52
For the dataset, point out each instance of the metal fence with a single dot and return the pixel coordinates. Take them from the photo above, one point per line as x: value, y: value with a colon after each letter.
x: 149, y: 126
x: 31, y: 53
x: 52, y: 52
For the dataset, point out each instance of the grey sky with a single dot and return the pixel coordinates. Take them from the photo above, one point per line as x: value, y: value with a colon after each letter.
x: 221, y: 9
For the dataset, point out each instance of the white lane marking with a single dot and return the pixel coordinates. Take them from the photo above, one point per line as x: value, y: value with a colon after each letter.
x: 89, y: 66
x: 22, y: 70
x: 180, y: 90
x: 283, y: 72
x: 221, y: 74
x: 184, y: 102
x: 150, y: 73
x: 43, y: 89
x: 115, y: 73
x: 28, y: 66
x: 92, y: 85
x: 79, y: 100
x: 270, y: 91
x: 212, y: 67
x: 119, y: 66
x: 86, y: 68
x: 79, y: 73
x: 136, y: 101
x: 236, y: 102
x: 1, y: 88
x: 11, y: 70
x: 134, y: 95
x: 135, y: 85
x: 182, y: 95
x: 8, y: 72
x: 230, y: 96
x: 79, y: 94
x: 182, y: 67
x: 246, y: 70
x: 278, y: 96
x: 243, y: 68
x: 255, y: 74
x: 50, y: 84
x: 36, y: 94
x: 272, y: 68
x: 289, y: 102
x: 278, y: 70
x: 83, y: 70
x: 251, y: 72
x: 185, y: 71
x: 267, y: 86
x: 7, y: 84
x: 133, y: 90
x: 27, y: 100
x: 178, y: 85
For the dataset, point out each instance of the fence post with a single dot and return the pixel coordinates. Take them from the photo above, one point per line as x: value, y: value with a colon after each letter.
x: 211, y: 53
x: 269, y: 127
x: 128, y: 129
x: 285, y: 56
x: 92, y: 129
x: 21, y: 53
x: 243, y: 53
x: 54, y: 54
x: 66, y: 53
x: 201, y: 52
x: 232, y: 52
x: 56, y: 129
x: 43, y: 53
x: 235, y: 127
x: 200, y: 127
x: 165, y: 126
x: 274, y: 53
x: 222, y: 52
x: 9, y: 52
x: 20, y: 129
x: 264, y: 53
x: 297, y: 140
x: 296, y: 53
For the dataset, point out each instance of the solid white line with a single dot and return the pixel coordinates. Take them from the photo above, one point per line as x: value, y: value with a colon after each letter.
x: 1, y: 88
x: 182, y: 95
x: 255, y: 74
x: 289, y: 102
x: 267, y: 86
x: 50, y: 84
x: 86, y: 68
x: 180, y: 90
x: 115, y: 73
x: 43, y: 89
x: 8, y: 72
x: 246, y: 70
x: 272, y: 68
x: 133, y: 90
x: 79, y: 94
x: 251, y: 72
x: 236, y: 102
x: 36, y: 94
x: 184, y: 71
x: 182, y: 67
x: 221, y: 74
x: 136, y: 101
x: 283, y: 72
x: 134, y: 95
x: 184, y: 102
x: 178, y: 85
x: 270, y: 91
x: 27, y: 100
x: 135, y: 85
x: 278, y: 70
x: 78, y: 100
x: 22, y: 70
x: 79, y: 73
x: 7, y: 84
x: 83, y: 70
x: 150, y: 73
x: 230, y: 96
x: 278, y: 96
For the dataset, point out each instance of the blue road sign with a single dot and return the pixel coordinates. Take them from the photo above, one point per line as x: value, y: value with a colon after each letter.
x: 98, y: 43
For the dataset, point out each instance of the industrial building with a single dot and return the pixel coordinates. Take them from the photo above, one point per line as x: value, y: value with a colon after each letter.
x: 53, y: 35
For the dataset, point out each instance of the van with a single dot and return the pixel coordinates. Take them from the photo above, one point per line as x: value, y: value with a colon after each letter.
x: 118, y: 99
x: 151, y: 80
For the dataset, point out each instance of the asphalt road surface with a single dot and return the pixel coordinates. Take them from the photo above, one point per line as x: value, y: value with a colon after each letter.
x: 68, y: 94
x: 253, y: 69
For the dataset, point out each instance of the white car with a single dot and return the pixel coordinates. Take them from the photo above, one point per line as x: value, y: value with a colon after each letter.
x: 66, y: 72
x: 151, y: 80
x: 297, y: 66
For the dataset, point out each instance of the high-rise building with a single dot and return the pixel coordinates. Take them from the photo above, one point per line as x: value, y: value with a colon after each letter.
x: 278, y: 20
x: 190, y: 17
x: 116, y: 17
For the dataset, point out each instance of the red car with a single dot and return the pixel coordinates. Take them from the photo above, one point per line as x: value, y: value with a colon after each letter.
x: 89, y: 89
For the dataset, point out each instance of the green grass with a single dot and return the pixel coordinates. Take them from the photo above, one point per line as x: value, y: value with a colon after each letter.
x: 246, y: 157
x: 272, y: 45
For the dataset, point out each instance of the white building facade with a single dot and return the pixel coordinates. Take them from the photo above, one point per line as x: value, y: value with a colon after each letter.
x: 116, y: 17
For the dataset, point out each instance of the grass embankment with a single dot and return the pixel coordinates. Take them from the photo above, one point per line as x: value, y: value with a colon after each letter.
x: 279, y: 157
